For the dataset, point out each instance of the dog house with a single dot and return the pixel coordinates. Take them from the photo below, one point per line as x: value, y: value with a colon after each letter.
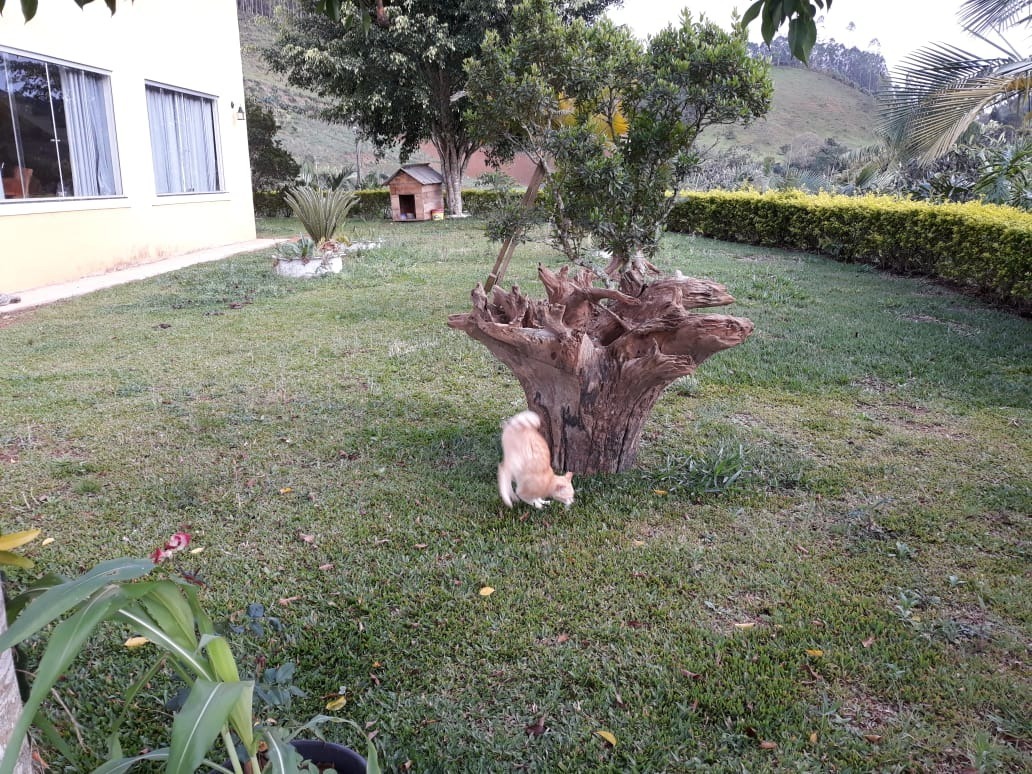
x: 416, y: 192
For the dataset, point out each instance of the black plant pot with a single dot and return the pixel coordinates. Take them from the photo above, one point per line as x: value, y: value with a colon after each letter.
x: 326, y: 754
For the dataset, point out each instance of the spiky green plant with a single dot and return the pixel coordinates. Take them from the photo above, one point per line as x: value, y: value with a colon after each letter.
x: 321, y: 211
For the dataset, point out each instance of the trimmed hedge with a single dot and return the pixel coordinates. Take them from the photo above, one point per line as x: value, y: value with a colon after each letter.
x: 986, y: 247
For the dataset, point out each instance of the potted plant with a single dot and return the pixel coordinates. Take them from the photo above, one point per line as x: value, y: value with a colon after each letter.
x: 164, y: 612
x: 321, y: 211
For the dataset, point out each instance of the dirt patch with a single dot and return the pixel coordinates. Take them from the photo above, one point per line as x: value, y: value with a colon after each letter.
x: 959, y: 328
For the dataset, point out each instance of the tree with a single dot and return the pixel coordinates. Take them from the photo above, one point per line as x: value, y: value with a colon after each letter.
x: 272, y: 166
x: 397, y: 71
x: 941, y: 90
x: 801, y: 18
x: 615, y: 123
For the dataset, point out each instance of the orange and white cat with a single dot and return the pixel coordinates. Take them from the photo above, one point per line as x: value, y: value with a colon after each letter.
x: 526, y: 460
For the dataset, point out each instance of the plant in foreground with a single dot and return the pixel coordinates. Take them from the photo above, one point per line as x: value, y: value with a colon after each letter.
x: 164, y: 612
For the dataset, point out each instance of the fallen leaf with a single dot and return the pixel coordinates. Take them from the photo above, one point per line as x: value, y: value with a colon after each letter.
x: 421, y: 546
x: 286, y: 490
x: 813, y: 738
x: 327, y: 566
x: 768, y: 745
x: 196, y: 550
x: 638, y: 542
x: 337, y: 704
x: 745, y: 625
x: 287, y: 600
x: 607, y: 737
x: 635, y: 624
x: 304, y: 537
x: 801, y: 550
x: 873, y: 738
x: 486, y: 591
x: 814, y: 652
x: 561, y: 639
x: 868, y: 642
x: 136, y: 642
x: 691, y: 675
x: 47, y: 541
x: 660, y: 491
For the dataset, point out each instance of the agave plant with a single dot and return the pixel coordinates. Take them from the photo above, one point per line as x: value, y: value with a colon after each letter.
x: 320, y: 210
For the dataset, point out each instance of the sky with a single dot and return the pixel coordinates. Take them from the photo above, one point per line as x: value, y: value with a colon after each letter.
x: 900, y: 26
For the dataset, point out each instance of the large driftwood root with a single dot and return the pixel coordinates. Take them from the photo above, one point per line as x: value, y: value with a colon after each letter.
x: 593, y: 360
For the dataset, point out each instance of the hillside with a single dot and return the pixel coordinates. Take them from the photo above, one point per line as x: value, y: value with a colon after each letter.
x: 302, y: 132
x: 806, y: 102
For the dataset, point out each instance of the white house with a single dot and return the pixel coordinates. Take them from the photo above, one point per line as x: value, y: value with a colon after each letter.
x: 122, y: 137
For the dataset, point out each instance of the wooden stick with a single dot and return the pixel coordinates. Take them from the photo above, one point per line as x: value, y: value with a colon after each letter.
x: 509, y: 245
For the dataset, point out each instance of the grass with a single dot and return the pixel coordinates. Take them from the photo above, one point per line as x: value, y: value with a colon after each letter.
x: 820, y: 562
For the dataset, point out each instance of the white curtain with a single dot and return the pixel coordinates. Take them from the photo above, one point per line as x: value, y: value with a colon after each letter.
x: 182, y: 130
x: 89, y: 134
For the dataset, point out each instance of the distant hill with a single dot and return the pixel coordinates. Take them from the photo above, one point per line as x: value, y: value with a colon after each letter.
x: 805, y: 103
x: 302, y: 132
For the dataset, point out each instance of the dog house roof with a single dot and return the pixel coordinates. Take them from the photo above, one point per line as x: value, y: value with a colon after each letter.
x: 421, y: 173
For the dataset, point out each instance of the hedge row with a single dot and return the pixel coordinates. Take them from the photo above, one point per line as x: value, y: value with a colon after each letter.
x: 372, y: 204
x: 982, y: 246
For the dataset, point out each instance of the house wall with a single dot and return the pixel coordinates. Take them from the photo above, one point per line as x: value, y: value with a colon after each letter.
x: 189, y: 44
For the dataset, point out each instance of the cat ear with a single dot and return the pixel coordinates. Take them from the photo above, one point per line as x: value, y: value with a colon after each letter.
x: 568, y: 477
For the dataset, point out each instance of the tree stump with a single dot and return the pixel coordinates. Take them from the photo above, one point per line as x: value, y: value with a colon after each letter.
x: 593, y: 361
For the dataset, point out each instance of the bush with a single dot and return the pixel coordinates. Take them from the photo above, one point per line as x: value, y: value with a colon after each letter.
x: 270, y: 204
x: 981, y: 246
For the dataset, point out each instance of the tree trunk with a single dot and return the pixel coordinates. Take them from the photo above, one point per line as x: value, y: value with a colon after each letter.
x: 10, y: 700
x: 593, y: 361
x: 453, y: 164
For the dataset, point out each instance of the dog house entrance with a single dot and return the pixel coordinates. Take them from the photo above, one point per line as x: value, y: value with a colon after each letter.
x: 407, y: 206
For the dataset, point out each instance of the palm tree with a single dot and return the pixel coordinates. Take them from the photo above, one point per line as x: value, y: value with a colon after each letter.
x: 940, y: 90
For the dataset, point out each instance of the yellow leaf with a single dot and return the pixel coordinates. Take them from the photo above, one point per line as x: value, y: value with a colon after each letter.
x: 286, y: 490
x: 136, y: 642
x: 15, y: 539
x: 47, y: 542
x: 196, y: 550
x: 607, y: 736
x: 813, y: 738
x: 746, y: 625
x: 660, y: 491
x: 337, y: 703
x: 486, y: 591
x: 815, y: 652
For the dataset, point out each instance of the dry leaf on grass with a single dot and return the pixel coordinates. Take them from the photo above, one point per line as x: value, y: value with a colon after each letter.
x: 486, y: 591
x: 607, y: 737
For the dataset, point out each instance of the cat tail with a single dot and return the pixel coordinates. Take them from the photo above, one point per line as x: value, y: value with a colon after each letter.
x: 524, y: 419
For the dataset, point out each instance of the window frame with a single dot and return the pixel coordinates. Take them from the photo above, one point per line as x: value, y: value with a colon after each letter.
x: 213, y: 101
x: 112, y: 127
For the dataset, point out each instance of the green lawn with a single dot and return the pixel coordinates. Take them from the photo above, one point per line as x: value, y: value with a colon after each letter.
x: 858, y: 599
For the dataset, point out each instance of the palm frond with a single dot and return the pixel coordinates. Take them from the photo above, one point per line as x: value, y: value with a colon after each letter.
x: 940, y: 90
x: 980, y: 16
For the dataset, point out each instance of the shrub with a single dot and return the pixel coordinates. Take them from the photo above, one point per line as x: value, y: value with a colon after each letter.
x: 982, y: 246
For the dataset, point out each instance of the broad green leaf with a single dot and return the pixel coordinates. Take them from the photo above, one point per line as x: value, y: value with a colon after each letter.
x: 29, y: 8
x: 170, y: 610
x: 63, y: 645
x: 122, y: 765
x: 195, y: 727
x: 283, y: 757
x: 59, y: 599
x: 225, y: 667
x: 185, y: 657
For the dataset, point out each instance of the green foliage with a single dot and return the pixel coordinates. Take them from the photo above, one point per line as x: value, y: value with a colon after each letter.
x: 271, y: 165
x: 396, y: 78
x: 800, y: 15
x: 321, y: 210
x: 270, y: 204
x: 12, y: 540
x: 617, y: 120
x: 985, y: 247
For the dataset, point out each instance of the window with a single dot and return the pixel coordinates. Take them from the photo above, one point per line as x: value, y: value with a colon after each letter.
x: 56, y: 131
x: 183, y: 141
